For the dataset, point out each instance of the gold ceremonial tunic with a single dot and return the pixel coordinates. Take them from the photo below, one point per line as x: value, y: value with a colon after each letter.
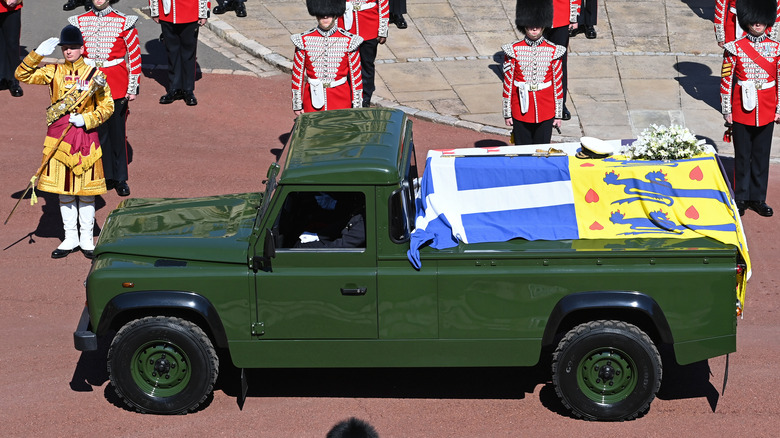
x: 76, y: 167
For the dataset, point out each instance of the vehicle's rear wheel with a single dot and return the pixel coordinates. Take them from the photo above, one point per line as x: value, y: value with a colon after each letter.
x: 606, y: 370
x: 162, y: 365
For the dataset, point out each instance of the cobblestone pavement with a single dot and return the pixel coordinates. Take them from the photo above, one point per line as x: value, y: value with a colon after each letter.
x: 654, y: 61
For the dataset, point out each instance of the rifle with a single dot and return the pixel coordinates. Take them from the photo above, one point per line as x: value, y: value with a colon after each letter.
x: 98, y: 81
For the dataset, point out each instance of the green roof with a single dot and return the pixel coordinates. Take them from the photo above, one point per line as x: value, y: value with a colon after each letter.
x: 350, y: 146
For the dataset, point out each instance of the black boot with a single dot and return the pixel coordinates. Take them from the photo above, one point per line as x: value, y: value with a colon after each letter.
x: 399, y: 21
x: 240, y: 10
x: 227, y: 5
x: 72, y: 4
x: 16, y: 90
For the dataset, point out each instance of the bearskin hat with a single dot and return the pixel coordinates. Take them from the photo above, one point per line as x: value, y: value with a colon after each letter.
x: 71, y: 36
x: 533, y: 13
x: 756, y: 11
x: 322, y: 8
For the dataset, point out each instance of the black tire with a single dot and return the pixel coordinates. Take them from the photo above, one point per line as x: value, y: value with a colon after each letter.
x: 606, y: 370
x: 162, y: 365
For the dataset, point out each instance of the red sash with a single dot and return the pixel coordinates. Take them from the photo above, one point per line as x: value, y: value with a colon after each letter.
x: 752, y: 53
x: 79, y: 139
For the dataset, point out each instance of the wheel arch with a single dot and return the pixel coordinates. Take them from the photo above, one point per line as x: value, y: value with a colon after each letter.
x: 186, y: 305
x: 628, y: 306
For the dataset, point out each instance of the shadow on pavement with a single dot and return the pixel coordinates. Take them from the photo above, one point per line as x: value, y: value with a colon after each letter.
x: 698, y: 82
x: 689, y: 381
x: 701, y: 11
x: 448, y: 383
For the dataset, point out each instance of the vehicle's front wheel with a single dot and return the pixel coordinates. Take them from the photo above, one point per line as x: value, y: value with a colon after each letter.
x: 606, y: 370
x: 162, y: 365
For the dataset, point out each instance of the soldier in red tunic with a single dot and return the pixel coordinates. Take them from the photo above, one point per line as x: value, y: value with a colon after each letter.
x: 726, y: 28
x: 10, y: 30
x: 180, y: 21
x: 110, y: 36
x: 326, y: 65
x: 749, y: 100
x: 533, y: 84
x: 564, y: 20
x: 368, y: 19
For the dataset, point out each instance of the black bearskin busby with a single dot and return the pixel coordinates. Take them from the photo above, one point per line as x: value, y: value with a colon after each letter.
x: 756, y: 11
x: 71, y: 36
x: 322, y: 8
x: 533, y: 13
x: 352, y: 428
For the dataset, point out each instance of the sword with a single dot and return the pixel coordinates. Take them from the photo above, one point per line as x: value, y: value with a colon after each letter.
x: 98, y: 81
x: 39, y: 172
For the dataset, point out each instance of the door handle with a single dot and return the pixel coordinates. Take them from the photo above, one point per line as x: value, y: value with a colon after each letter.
x: 353, y: 291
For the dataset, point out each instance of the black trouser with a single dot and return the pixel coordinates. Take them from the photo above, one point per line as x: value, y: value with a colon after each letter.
x: 560, y: 36
x: 532, y: 133
x: 10, y: 30
x: 113, y: 141
x: 397, y: 7
x: 752, y: 145
x: 181, y: 43
x: 367, y: 57
x: 588, y: 13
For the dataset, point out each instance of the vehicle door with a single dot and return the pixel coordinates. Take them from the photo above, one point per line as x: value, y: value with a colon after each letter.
x: 321, y: 282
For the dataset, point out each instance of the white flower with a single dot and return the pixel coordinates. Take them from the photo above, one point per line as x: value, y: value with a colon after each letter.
x: 662, y: 143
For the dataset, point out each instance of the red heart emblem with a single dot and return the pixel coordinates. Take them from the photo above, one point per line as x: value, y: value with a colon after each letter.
x: 587, y: 165
x: 596, y: 226
x: 591, y: 196
x: 692, y: 213
x: 696, y: 174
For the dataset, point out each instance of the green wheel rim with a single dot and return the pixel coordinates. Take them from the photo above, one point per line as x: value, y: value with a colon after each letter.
x: 606, y: 375
x: 160, y: 369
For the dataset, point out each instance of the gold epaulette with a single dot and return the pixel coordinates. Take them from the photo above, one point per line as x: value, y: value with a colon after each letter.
x: 726, y: 69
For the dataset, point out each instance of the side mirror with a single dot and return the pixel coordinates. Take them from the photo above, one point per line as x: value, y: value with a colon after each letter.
x: 263, y: 263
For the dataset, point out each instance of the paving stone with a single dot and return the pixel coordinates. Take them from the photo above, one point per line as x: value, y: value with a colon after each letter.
x: 651, y: 94
x: 654, y: 57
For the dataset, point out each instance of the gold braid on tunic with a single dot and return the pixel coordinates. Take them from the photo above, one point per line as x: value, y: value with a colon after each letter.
x: 70, y: 174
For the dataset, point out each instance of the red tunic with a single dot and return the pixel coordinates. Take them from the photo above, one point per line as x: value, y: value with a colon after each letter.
x: 109, y: 36
x: 726, y: 27
x: 5, y: 8
x: 536, y: 66
x: 367, y: 18
x: 332, y: 58
x: 739, y: 67
x: 180, y: 11
x: 565, y: 12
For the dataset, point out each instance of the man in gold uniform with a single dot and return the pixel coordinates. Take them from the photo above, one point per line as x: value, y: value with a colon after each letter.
x: 81, y: 101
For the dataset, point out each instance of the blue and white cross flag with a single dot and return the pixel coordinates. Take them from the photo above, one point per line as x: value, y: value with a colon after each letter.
x: 492, y: 199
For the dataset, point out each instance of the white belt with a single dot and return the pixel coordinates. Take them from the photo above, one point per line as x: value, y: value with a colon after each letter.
x: 349, y: 16
x: 98, y: 64
x: 317, y: 89
x: 524, y: 88
x: 750, y: 93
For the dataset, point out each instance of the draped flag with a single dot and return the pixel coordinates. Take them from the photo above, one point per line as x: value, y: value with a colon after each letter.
x: 495, y: 198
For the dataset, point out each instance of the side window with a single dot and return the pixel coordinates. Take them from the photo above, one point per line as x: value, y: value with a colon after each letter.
x: 313, y: 220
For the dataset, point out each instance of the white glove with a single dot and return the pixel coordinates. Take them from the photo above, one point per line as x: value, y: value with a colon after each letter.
x: 77, y: 120
x: 308, y: 237
x: 47, y: 47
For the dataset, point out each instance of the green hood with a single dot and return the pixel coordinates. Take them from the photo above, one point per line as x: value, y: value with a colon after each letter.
x: 214, y: 228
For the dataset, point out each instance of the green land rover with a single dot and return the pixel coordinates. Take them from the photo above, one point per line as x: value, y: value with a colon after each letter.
x: 174, y: 281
